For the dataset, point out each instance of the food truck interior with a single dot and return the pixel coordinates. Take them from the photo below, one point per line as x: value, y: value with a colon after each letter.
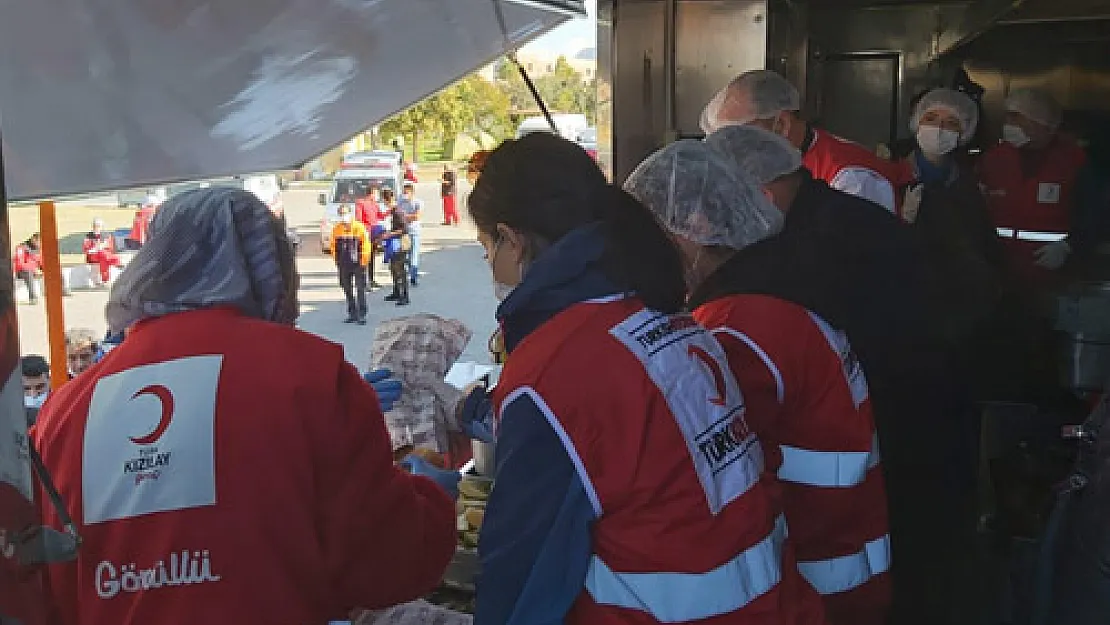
x: 858, y: 66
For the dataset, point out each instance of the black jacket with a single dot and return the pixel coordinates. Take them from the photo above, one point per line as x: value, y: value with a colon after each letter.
x: 862, y: 270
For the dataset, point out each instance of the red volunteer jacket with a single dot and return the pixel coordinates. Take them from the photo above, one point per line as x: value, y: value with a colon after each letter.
x: 807, y: 395
x: 1031, y: 207
x: 849, y: 167
x: 368, y: 212
x: 223, y: 469
x: 687, y: 526
x: 26, y: 259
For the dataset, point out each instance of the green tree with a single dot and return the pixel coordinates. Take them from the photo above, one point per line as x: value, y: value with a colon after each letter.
x: 412, y: 123
x: 487, y: 108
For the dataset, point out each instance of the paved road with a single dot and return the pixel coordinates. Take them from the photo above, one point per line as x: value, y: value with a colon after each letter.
x: 457, y: 284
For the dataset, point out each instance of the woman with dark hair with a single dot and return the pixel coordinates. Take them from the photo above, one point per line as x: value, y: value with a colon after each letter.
x: 628, y: 485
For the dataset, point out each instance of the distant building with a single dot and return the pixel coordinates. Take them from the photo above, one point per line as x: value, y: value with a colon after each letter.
x: 541, y: 62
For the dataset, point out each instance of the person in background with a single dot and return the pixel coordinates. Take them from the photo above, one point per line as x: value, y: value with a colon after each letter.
x: 804, y: 390
x: 412, y: 206
x: 368, y: 212
x: 447, y: 191
x: 82, y: 351
x: 27, y: 263
x: 100, y: 250
x: 397, y: 243
x: 1029, y: 180
x: 865, y: 273
x: 351, y: 248
x: 409, y: 171
x: 767, y: 100
x: 251, y: 458
x: 141, y: 226
x: 36, y: 380
x: 605, y: 509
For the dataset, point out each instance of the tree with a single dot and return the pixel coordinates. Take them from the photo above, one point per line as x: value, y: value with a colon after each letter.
x: 412, y: 123
x: 488, y: 108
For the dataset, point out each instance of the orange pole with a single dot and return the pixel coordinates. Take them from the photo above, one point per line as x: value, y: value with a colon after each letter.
x: 52, y: 285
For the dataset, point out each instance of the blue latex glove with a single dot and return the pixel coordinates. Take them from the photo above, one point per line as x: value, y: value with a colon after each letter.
x: 386, y: 386
x: 476, y: 416
x: 448, y: 480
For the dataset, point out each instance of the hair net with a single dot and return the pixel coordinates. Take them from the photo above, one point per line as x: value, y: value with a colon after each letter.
x: 1035, y: 104
x: 753, y: 95
x: 956, y: 103
x: 698, y: 194
x: 211, y: 247
x: 762, y: 155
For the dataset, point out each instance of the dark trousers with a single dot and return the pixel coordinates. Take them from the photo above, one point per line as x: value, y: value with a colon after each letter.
x: 353, y: 279
x: 28, y: 279
x: 371, y: 268
x: 398, y: 267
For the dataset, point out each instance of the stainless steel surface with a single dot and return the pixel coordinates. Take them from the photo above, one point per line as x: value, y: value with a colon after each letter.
x: 788, y: 42
x: 637, y: 87
x: 484, y: 458
x: 716, y: 40
x: 670, y: 56
x: 107, y: 94
x: 1085, y: 362
x: 845, y: 80
x: 605, y: 86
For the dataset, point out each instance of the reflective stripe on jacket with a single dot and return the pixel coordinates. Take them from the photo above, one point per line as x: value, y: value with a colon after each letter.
x: 806, y: 391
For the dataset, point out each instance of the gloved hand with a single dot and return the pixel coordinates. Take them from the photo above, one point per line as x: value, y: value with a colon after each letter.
x: 448, y: 480
x: 476, y: 415
x: 911, y: 203
x: 1053, y: 255
x: 386, y: 386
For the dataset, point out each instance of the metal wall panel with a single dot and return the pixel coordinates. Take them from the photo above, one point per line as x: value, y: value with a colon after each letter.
x: 639, y: 120
x: 716, y: 41
x: 605, y: 51
x: 103, y: 94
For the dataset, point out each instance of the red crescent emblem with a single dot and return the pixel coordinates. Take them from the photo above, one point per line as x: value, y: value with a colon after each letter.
x: 715, y: 369
x: 165, y: 397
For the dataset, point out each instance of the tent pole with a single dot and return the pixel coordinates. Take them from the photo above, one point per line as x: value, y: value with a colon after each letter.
x: 52, y: 285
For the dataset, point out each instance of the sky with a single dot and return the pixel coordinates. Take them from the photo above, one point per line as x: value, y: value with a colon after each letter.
x: 571, y: 36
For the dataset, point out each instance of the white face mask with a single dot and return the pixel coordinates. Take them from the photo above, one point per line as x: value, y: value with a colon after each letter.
x: 1014, y: 135
x: 501, y: 290
x: 937, y: 141
x: 347, y: 218
x: 35, y: 401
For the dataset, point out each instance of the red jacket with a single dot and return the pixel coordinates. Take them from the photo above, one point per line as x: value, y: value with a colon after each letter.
x: 1031, y: 201
x: 223, y: 469
x: 91, y: 240
x: 141, y: 225
x: 687, y: 528
x: 368, y: 212
x: 850, y: 168
x: 27, y: 259
x: 806, y: 394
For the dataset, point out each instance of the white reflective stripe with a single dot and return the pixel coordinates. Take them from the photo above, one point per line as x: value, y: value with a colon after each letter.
x: 1031, y: 235
x: 842, y: 574
x: 683, y: 597
x: 780, y: 386
x: 828, y: 469
x: 568, y: 445
x: 605, y: 299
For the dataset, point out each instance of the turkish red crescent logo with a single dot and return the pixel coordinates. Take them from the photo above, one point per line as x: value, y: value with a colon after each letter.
x: 165, y: 397
x: 715, y: 369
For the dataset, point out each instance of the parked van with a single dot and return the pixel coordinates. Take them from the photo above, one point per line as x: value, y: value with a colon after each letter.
x: 352, y: 183
x: 568, y: 125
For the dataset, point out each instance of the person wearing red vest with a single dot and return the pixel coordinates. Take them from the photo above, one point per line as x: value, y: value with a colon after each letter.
x: 220, y: 465
x: 629, y: 488
x: 1029, y: 179
x: 765, y: 99
x: 803, y: 386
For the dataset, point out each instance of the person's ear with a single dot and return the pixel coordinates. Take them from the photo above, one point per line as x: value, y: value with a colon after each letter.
x: 512, y: 240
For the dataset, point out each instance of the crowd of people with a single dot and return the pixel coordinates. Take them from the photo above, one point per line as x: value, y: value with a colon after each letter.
x: 739, y: 388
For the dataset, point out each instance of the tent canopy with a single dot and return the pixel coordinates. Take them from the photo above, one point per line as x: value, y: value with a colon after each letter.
x: 107, y: 94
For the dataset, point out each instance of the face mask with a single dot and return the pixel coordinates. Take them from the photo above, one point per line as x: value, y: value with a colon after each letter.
x: 347, y: 219
x: 501, y: 290
x: 1014, y: 135
x: 35, y: 401
x: 936, y: 141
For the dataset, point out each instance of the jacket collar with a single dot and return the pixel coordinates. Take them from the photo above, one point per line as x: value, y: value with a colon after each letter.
x: 567, y: 273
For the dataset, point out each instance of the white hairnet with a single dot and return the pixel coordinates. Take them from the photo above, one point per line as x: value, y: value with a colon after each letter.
x: 753, y: 95
x: 761, y: 154
x: 1035, y: 104
x: 698, y: 194
x: 956, y: 103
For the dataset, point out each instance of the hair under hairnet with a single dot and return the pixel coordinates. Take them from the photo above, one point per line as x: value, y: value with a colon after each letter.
x: 698, y: 194
x: 753, y: 95
x: 956, y: 103
x: 1035, y: 104
x: 211, y: 247
x: 762, y: 155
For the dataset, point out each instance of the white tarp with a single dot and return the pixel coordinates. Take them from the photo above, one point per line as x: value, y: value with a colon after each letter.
x: 105, y: 94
